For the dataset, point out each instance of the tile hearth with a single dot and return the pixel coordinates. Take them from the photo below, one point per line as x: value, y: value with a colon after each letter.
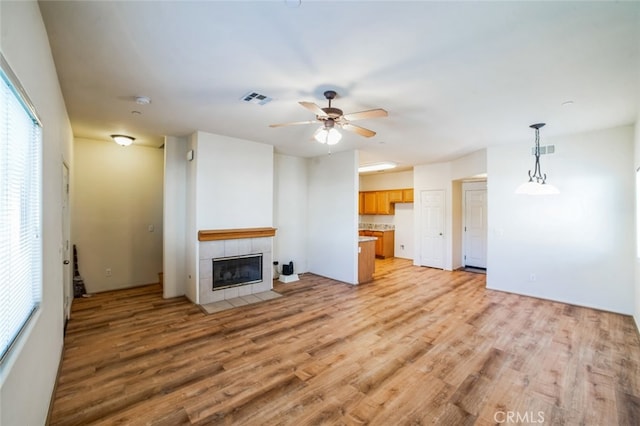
x: 223, y: 305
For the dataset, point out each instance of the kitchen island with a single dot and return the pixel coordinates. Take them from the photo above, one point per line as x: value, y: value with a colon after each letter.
x: 366, y: 258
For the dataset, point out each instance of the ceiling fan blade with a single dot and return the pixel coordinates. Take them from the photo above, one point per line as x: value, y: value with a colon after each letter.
x: 372, y: 113
x: 293, y: 124
x: 359, y: 130
x: 314, y: 108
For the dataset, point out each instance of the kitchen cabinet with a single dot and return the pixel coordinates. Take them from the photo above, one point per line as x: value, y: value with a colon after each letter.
x: 366, y: 261
x: 383, y: 202
x: 370, y: 203
x: 396, y: 196
x: 384, y: 245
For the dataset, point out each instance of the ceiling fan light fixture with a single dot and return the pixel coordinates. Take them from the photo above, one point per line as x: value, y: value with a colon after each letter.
x: 123, y: 140
x: 327, y: 135
x: 329, y: 116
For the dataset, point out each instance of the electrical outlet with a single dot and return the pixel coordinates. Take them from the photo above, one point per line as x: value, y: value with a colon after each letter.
x: 107, y: 272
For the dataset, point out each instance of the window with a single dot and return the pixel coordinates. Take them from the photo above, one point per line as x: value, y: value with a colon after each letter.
x: 638, y: 213
x: 20, y: 209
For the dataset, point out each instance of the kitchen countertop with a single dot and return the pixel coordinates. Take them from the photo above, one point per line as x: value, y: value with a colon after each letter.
x: 365, y: 239
x: 363, y: 226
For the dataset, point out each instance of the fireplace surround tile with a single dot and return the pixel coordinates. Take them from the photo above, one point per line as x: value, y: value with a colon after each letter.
x: 244, y: 246
x: 232, y: 248
x: 260, y: 287
x: 208, y: 250
x: 211, y: 250
x: 260, y: 245
x: 246, y: 290
x: 206, y: 269
x: 212, y: 296
x: 231, y: 293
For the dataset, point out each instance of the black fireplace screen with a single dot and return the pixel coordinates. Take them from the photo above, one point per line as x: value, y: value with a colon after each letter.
x: 237, y: 270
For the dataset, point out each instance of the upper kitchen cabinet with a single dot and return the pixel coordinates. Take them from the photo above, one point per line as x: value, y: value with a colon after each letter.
x: 384, y: 206
x: 370, y: 204
x: 395, y: 195
x: 383, y: 202
x: 407, y: 195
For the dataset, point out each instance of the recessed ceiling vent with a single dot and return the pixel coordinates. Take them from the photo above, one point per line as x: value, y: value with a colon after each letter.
x: 548, y: 149
x: 256, y: 98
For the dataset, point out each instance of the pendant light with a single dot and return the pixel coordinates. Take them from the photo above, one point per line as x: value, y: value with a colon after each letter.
x: 537, y: 183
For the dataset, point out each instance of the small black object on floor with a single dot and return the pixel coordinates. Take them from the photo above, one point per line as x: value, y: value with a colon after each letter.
x: 475, y: 270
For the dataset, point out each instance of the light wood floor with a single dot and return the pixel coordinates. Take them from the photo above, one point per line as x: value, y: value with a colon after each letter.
x: 415, y: 346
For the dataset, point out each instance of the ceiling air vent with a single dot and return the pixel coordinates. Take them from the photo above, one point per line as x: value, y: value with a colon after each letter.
x: 548, y: 149
x: 256, y: 98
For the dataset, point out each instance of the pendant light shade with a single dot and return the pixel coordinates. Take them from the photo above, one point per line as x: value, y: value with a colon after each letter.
x: 537, y: 183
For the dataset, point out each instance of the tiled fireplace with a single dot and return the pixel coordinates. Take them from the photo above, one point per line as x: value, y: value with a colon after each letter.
x: 234, y: 252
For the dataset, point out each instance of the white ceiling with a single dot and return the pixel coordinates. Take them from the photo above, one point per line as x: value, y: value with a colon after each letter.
x: 455, y: 77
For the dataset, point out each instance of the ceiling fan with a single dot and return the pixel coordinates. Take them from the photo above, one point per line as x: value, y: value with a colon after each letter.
x: 330, y: 117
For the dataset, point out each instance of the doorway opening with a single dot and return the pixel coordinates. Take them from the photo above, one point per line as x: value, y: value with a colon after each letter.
x: 473, y: 226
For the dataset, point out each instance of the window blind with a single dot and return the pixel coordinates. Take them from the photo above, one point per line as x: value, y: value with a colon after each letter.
x: 20, y: 209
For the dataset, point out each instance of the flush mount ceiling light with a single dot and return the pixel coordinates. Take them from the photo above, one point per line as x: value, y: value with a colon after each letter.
x: 376, y: 167
x: 327, y: 133
x: 537, y: 183
x: 123, y: 140
x: 143, y: 100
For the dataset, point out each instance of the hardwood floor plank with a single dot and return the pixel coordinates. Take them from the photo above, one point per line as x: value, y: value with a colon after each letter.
x: 415, y: 346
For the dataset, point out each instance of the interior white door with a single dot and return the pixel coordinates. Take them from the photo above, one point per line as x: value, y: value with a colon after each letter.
x: 432, y: 229
x: 475, y: 228
x: 66, y: 246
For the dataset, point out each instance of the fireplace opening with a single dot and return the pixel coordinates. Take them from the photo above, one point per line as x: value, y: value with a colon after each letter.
x: 237, y: 270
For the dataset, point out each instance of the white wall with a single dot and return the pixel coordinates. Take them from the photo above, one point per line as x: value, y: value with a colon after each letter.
x: 28, y: 374
x: 174, y: 243
x: 469, y: 166
x: 234, y: 183
x: 290, y: 211
x: 637, y: 206
x: 430, y: 178
x: 576, y: 247
x: 191, y: 257
x: 403, y: 217
x: 118, y: 197
x: 386, y: 180
x: 333, y: 216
